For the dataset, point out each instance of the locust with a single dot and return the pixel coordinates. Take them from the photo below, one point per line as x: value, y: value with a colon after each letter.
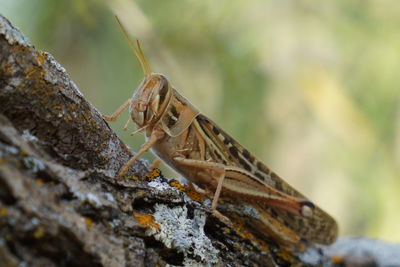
x: 198, y: 149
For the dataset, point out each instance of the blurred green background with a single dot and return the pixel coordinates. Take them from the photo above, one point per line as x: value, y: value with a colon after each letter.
x: 311, y: 87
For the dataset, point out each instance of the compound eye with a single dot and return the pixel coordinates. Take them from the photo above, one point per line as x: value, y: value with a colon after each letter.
x: 164, y: 90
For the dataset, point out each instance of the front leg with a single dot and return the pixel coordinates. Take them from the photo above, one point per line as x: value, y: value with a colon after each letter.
x: 118, y: 112
x: 156, y: 135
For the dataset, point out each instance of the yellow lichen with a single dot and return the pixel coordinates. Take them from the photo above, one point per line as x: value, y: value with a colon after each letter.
x: 39, y: 181
x: 337, y: 259
x: 241, y: 229
x: 57, y: 107
x: 246, y: 235
x: 227, y: 230
x: 3, y: 211
x: 135, y: 178
x: 41, y: 57
x: 39, y: 232
x: 285, y: 255
x: 194, y: 195
x: 178, y: 186
x: 29, y: 73
x: 189, y: 190
x: 264, y: 246
x: 8, y: 70
x: 146, y: 220
x: 24, y: 153
x: 152, y: 175
x: 238, y: 245
x: 89, y: 222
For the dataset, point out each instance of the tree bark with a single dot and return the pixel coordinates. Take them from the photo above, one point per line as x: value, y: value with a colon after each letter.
x: 60, y: 203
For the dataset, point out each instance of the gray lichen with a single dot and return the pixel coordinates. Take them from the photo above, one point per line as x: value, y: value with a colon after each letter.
x: 186, y: 235
x: 178, y: 231
x: 12, y: 35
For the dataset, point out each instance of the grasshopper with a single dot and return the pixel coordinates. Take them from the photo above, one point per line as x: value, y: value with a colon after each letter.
x: 198, y: 149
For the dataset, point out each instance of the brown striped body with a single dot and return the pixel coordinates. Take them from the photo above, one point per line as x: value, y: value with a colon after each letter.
x: 222, y: 148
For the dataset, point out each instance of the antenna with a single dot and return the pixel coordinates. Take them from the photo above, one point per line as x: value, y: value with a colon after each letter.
x: 137, y: 50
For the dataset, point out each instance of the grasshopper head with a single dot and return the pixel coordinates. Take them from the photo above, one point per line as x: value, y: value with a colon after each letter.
x: 150, y: 100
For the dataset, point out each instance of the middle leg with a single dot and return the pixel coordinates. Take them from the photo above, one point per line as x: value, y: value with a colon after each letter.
x: 217, y: 171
